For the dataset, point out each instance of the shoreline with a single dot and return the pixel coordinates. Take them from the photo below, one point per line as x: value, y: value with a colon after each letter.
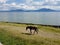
x: 56, y: 26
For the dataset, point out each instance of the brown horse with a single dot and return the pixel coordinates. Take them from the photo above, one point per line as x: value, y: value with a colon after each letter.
x: 32, y: 28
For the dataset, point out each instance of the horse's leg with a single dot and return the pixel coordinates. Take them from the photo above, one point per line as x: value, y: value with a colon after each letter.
x: 30, y: 31
x: 36, y: 31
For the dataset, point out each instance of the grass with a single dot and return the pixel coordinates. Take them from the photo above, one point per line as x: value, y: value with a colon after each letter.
x: 50, y: 29
x: 7, y: 39
x: 10, y: 36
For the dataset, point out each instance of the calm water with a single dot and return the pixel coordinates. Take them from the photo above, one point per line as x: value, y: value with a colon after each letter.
x: 47, y: 18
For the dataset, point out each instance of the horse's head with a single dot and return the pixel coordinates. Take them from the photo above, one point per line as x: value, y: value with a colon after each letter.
x: 26, y: 28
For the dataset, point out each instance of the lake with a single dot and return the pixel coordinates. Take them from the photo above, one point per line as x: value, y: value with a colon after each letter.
x: 46, y: 18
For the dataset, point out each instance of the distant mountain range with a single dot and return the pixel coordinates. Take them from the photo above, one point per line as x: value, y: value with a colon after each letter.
x: 45, y: 10
x: 39, y: 10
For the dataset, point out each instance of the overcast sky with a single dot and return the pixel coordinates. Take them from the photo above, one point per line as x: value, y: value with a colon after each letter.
x: 29, y: 4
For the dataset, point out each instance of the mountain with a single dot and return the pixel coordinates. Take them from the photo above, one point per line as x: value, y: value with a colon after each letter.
x: 46, y: 10
x: 17, y: 10
x: 43, y: 10
x: 14, y: 10
x: 39, y: 10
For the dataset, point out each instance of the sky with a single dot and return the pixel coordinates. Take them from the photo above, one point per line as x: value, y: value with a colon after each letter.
x: 29, y: 4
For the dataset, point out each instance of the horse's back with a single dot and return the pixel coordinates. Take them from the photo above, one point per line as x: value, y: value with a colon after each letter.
x: 32, y: 27
x: 28, y: 27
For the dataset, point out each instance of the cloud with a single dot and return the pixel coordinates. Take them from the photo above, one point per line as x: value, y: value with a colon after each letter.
x: 55, y: 7
x: 26, y: 7
x: 37, y: 3
x: 3, y: 1
x: 51, y: 7
x: 4, y: 7
x: 52, y: 2
x: 13, y: 6
x: 30, y: 4
x: 23, y: 6
x: 28, y: 1
x: 13, y: 3
x: 43, y: 2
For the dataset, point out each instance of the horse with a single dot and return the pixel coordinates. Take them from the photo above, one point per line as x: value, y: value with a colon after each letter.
x: 32, y: 28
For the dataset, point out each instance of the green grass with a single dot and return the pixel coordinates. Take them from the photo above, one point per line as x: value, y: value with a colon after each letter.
x: 8, y: 37
x: 12, y: 24
x: 50, y: 29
